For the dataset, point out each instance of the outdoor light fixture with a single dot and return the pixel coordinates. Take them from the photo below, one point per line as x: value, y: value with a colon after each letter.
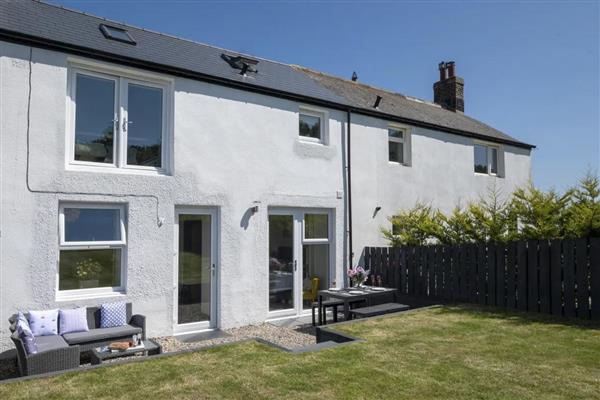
x: 255, y: 207
x: 377, y: 209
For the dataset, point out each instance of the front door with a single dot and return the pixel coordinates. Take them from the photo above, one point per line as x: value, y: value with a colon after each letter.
x: 195, y: 270
x: 300, y: 258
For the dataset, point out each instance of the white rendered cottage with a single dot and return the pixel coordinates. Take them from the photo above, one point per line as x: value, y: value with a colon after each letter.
x: 205, y: 186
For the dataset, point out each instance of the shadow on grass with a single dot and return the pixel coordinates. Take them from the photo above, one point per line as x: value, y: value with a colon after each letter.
x: 517, y: 317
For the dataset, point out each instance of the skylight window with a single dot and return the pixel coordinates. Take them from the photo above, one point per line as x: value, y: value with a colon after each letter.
x: 118, y: 34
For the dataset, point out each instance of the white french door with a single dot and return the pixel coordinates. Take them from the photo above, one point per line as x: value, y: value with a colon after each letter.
x: 195, y: 269
x: 300, y: 258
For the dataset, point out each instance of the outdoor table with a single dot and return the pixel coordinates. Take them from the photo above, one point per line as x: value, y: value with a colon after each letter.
x: 366, y: 293
x: 100, y: 354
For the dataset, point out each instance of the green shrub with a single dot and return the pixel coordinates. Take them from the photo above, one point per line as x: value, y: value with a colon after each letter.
x: 529, y: 213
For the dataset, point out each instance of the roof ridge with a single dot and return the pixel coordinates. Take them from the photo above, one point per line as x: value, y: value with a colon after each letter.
x: 412, y: 98
x: 157, y: 32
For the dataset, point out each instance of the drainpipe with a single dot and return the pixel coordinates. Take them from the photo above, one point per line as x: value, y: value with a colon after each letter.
x: 349, y: 188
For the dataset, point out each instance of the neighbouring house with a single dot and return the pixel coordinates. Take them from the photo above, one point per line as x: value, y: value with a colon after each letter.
x: 209, y: 188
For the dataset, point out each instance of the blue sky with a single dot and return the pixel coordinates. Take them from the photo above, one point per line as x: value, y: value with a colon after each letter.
x: 531, y: 69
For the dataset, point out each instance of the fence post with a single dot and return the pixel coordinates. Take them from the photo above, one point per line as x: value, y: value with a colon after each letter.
x: 501, y: 274
x: 522, y: 275
x: 544, y: 271
x: 481, y: 271
x: 511, y: 270
x: 569, y: 277
x: 595, y: 277
x: 583, y: 296
x: 556, y: 280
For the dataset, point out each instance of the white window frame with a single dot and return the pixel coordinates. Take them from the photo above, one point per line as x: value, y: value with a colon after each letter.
x: 122, y: 78
x: 324, y: 124
x: 489, y: 147
x: 63, y: 295
x: 405, y: 140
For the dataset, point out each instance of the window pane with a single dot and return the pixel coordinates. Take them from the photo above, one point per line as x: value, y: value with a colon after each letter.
x: 494, y: 161
x: 81, y: 269
x: 94, y: 119
x: 396, y: 152
x: 195, y: 260
x: 92, y: 225
x: 315, y: 271
x: 144, y: 136
x: 481, y: 159
x: 316, y: 226
x: 310, y: 126
x: 281, y: 262
x: 395, y: 133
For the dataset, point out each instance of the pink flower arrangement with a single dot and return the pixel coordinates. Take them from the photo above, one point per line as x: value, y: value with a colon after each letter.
x: 358, y: 275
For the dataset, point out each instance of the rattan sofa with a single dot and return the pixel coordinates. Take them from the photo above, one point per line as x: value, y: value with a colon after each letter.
x: 60, y: 352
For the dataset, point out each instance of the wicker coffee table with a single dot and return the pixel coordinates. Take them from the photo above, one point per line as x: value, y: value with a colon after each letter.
x: 151, y: 348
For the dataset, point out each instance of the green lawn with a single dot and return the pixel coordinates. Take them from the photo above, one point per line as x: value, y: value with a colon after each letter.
x: 437, y: 353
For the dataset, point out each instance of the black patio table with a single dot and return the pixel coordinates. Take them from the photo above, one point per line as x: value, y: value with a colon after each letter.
x: 354, y: 294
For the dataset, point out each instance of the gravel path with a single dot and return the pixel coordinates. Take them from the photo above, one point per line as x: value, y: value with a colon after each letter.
x: 282, y: 336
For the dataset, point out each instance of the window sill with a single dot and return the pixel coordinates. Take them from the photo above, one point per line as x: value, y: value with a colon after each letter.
x: 85, y: 294
x: 489, y: 175
x: 111, y: 169
x: 307, y: 140
x: 398, y: 164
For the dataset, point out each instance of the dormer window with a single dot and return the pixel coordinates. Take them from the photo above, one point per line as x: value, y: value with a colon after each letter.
x: 118, y: 34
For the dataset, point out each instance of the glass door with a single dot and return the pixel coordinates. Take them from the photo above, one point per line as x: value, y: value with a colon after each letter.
x: 299, y: 259
x: 282, y: 262
x: 195, y: 270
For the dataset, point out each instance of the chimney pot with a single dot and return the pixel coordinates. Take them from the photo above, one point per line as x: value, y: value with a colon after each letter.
x: 442, y: 68
x: 450, y: 66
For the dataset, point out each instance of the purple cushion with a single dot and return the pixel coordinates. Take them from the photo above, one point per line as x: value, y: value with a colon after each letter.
x: 113, y: 314
x: 44, y: 323
x: 27, y: 337
x: 23, y: 323
x: 74, y: 320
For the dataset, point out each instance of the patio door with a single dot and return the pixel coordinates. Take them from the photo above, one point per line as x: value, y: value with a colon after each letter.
x: 195, y: 269
x: 300, y: 258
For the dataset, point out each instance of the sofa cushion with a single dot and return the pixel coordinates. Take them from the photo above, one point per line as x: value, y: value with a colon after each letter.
x: 44, y: 323
x: 27, y: 338
x: 23, y: 323
x: 113, y: 315
x: 94, y: 335
x: 74, y: 320
x: 50, y: 342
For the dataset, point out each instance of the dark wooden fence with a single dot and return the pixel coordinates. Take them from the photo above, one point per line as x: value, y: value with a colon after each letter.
x: 560, y: 277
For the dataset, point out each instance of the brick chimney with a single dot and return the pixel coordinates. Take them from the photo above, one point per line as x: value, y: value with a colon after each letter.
x: 448, y: 92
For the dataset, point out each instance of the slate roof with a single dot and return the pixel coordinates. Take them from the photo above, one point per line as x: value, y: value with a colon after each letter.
x: 46, y: 25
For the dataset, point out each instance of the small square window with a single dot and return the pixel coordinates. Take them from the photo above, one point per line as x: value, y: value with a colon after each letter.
x: 486, y: 159
x: 310, y: 126
x: 118, y: 34
x: 396, y: 138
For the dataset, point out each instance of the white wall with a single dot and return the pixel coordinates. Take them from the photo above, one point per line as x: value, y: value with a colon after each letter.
x: 231, y: 149
x: 440, y: 174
